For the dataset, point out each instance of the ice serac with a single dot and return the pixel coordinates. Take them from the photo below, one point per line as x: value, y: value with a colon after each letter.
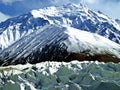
x: 61, y: 43
x: 77, y: 16
x: 74, y: 75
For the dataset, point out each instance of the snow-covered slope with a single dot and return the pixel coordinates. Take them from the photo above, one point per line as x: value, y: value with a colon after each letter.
x: 13, y: 29
x: 80, y: 17
x: 55, y: 42
x: 61, y: 76
x: 77, y: 16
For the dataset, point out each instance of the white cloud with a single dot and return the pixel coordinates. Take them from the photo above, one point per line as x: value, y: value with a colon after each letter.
x: 90, y: 1
x: 9, y: 1
x: 3, y: 17
x: 108, y: 7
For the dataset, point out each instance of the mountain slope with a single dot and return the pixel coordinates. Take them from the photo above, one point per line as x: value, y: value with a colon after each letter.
x: 77, y: 16
x: 13, y: 29
x: 55, y: 42
x: 80, y: 17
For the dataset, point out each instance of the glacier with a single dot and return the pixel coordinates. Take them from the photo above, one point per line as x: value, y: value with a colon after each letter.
x: 74, y: 75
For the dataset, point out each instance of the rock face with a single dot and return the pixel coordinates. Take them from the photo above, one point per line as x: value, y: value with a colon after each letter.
x: 74, y: 75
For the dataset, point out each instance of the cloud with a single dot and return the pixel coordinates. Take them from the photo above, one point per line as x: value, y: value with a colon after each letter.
x: 3, y: 17
x: 101, y: 1
x: 61, y: 2
x: 112, y: 0
x: 90, y: 1
x: 9, y: 1
x: 109, y: 7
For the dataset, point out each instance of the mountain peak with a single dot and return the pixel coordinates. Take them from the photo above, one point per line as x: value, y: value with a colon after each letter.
x: 58, y: 11
x: 74, y: 15
x: 17, y: 33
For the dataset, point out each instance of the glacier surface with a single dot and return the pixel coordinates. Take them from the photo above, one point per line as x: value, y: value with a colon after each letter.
x: 74, y: 75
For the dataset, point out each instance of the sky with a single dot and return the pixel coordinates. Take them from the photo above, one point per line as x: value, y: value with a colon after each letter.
x: 11, y: 8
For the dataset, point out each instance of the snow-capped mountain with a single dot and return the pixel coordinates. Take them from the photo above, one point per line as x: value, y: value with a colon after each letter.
x: 77, y: 16
x: 62, y: 34
x: 61, y: 43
